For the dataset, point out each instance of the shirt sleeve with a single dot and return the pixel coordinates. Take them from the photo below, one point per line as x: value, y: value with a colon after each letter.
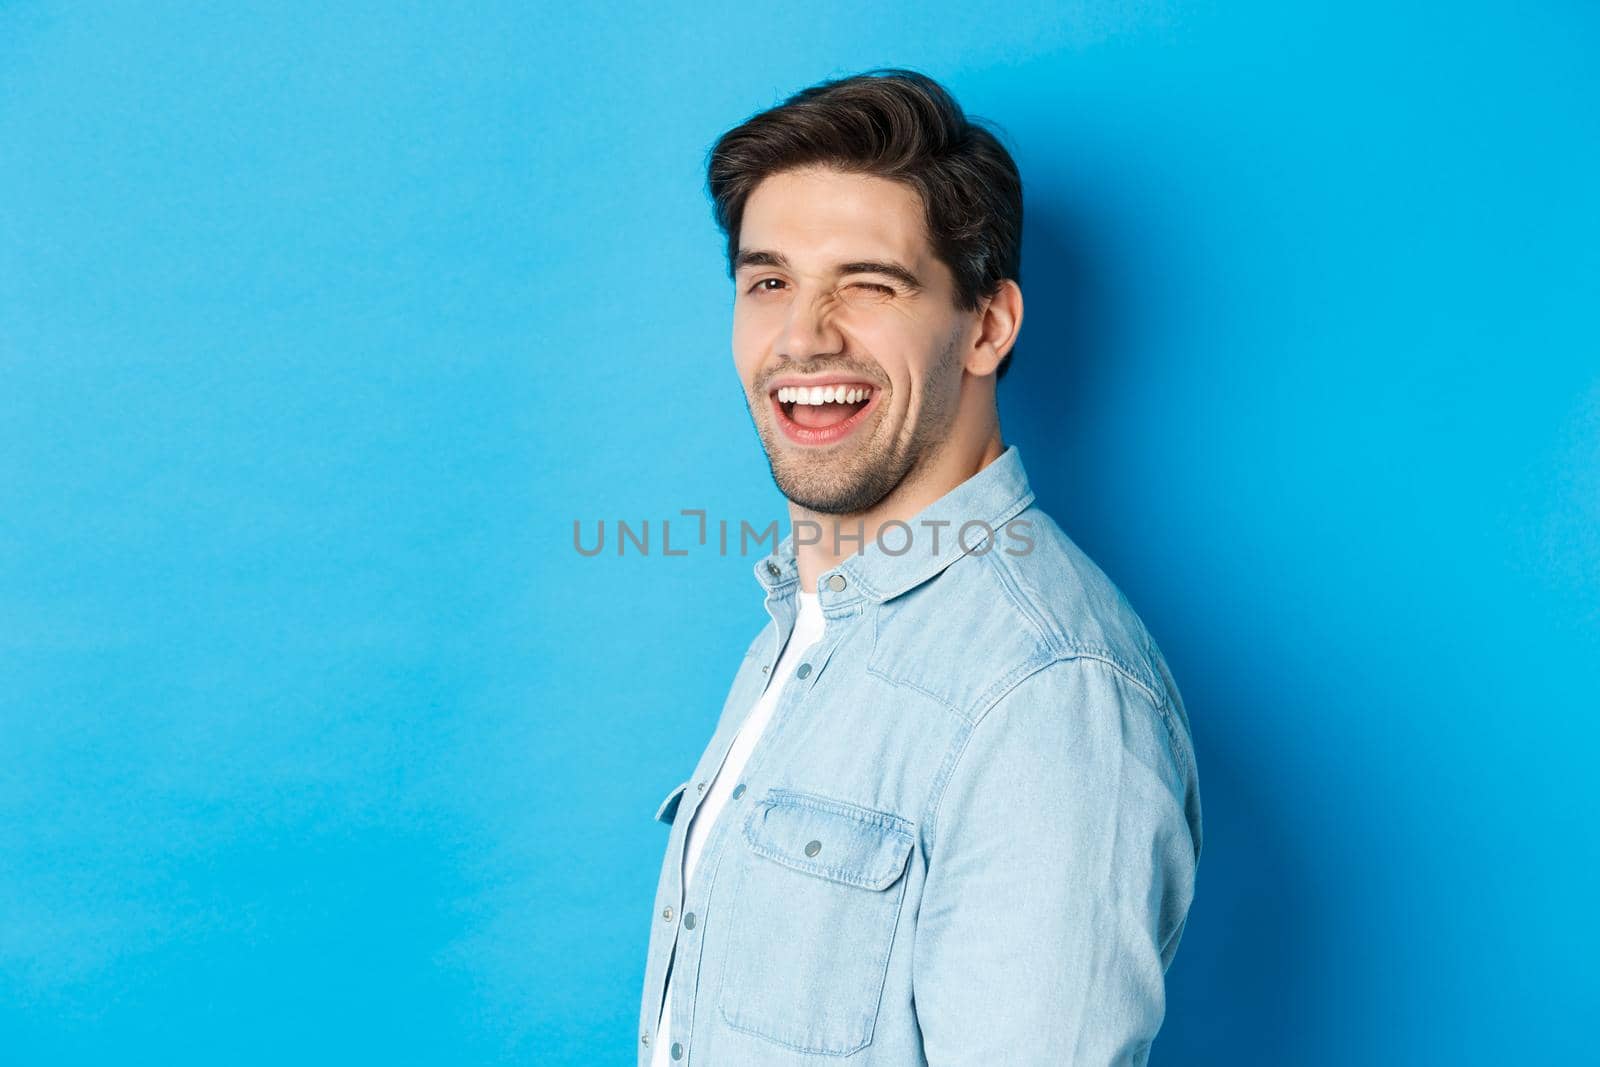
x: 1061, y: 864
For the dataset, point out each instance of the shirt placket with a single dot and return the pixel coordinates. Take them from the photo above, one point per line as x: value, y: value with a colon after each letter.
x: 667, y: 922
x: 698, y: 906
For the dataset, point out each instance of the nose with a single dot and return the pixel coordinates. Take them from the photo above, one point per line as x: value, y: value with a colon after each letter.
x: 810, y: 331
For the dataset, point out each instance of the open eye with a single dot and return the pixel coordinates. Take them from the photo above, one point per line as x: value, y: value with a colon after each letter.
x: 757, y: 287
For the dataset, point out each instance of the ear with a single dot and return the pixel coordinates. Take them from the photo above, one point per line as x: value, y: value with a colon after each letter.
x: 999, y: 321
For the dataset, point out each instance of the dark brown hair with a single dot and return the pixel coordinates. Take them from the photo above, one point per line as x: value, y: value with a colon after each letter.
x: 896, y: 124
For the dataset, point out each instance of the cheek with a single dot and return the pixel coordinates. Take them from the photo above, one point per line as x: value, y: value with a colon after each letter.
x: 899, y: 351
x: 889, y: 335
x: 747, y: 347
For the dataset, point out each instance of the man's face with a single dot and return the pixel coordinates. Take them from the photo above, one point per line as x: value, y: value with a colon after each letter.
x: 820, y: 306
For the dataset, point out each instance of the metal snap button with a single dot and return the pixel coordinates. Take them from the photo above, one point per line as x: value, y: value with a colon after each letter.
x: 813, y: 848
x: 804, y: 671
x: 738, y: 791
x: 688, y: 920
x: 666, y: 913
x: 836, y: 582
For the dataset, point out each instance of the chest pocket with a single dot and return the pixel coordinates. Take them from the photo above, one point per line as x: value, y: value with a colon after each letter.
x: 811, y: 921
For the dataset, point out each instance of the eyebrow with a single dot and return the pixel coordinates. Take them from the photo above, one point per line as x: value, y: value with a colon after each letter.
x: 763, y: 258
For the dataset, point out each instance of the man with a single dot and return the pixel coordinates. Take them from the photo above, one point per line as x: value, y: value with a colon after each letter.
x: 950, y: 813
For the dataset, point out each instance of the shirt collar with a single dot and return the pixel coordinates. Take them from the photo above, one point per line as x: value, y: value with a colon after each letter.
x: 981, y: 505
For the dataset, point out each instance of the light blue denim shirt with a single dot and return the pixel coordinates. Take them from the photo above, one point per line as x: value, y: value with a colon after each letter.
x: 968, y: 836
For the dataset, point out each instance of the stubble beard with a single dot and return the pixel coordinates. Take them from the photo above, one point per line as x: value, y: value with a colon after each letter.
x: 869, y: 470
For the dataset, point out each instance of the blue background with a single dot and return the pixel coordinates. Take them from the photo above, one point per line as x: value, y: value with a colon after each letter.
x: 319, y: 328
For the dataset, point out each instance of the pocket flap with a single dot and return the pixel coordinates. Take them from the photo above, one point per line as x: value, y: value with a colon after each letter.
x: 829, y: 838
x: 669, y: 807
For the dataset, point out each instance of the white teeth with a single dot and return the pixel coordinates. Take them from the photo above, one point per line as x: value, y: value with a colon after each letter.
x: 823, y: 394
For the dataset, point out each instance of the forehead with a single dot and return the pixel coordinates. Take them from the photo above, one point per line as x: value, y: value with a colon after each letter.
x: 817, y: 216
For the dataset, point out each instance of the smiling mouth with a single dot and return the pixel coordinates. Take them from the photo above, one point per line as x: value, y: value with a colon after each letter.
x: 822, y: 414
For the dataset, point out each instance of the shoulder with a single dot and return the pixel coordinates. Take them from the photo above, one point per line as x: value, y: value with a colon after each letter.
x: 1072, y: 608
x: 1027, y: 599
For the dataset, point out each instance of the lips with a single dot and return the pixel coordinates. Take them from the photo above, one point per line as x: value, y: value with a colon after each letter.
x: 819, y: 424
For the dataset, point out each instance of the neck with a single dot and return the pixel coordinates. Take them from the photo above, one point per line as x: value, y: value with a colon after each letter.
x: 934, y: 476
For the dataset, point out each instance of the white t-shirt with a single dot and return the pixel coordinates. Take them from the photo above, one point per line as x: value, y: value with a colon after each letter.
x: 808, y: 629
